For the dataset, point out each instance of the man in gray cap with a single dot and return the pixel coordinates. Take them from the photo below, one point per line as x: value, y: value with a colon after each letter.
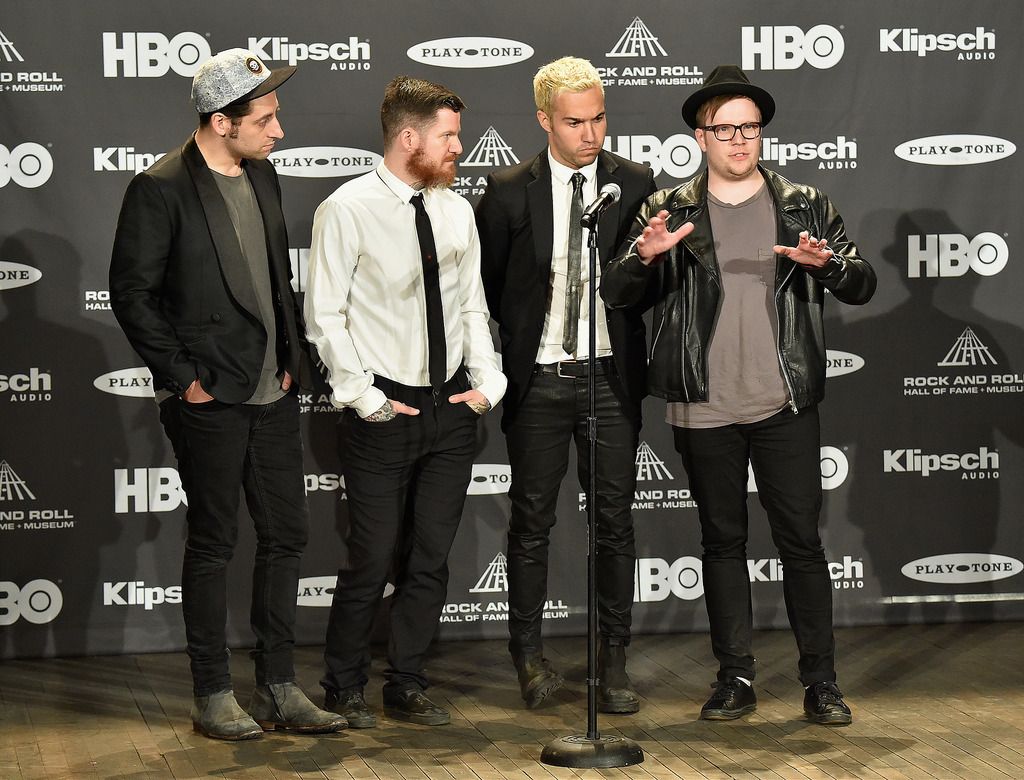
x: 736, y: 263
x: 200, y: 283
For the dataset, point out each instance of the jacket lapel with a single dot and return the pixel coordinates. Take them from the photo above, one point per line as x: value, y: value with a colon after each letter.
x: 538, y: 196
x: 606, y: 174
x: 222, y: 232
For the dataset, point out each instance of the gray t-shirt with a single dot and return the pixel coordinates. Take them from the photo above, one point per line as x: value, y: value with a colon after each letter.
x: 248, y: 222
x: 745, y: 382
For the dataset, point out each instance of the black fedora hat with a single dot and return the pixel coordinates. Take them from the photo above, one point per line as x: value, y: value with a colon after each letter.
x: 728, y: 80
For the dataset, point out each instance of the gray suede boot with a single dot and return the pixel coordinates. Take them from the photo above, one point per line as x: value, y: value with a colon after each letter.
x: 285, y: 706
x: 218, y: 716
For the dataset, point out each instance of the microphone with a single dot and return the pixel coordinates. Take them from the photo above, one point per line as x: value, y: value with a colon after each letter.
x: 609, y: 194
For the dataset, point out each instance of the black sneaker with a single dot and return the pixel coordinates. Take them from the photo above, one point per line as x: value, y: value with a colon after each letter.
x: 823, y: 703
x: 413, y: 706
x: 352, y: 706
x: 732, y: 699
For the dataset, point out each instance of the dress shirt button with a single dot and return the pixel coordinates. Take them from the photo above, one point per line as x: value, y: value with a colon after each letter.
x: 215, y: 317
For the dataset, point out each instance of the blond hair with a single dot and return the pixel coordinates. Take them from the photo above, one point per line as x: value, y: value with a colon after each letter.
x: 568, y: 74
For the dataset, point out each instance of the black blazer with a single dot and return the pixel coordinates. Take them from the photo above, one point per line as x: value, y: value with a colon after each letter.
x: 179, y: 286
x: 514, y: 218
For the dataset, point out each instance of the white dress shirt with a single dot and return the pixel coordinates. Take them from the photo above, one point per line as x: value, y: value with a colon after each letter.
x: 550, y: 350
x: 365, y: 307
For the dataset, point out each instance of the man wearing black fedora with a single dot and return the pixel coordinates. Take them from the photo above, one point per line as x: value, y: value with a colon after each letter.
x: 736, y: 263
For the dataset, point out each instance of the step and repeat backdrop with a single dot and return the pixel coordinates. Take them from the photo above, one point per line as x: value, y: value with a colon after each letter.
x: 908, y: 114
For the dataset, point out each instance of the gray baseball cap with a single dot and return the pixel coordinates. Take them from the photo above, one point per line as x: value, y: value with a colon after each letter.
x: 234, y: 75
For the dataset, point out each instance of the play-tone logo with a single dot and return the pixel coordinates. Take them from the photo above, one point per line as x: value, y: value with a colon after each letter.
x: 954, y: 254
x: 491, y: 150
x: 17, y: 275
x: 786, y: 47
x: 489, y: 479
x: 637, y: 41
x: 323, y: 162
x: 470, y: 52
x: 37, y: 602
x: 839, y: 363
x: 152, y: 54
x: 678, y: 155
x: 959, y: 149
x: 962, y: 568
x: 133, y: 382
x: 28, y: 165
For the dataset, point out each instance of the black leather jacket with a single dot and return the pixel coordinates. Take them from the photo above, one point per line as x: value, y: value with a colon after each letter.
x: 684, y: 288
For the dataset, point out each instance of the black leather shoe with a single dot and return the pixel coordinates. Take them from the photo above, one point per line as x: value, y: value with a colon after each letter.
x: 615, y: 692
x: 351, y: 705
x: 413, y: 706
x: 537, y: 680
x: 823, y: 703
x: 732, y: 699
x: 218, y: 716
x: 284, y: 706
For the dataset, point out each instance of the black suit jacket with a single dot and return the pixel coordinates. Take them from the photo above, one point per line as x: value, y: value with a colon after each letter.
x: 514, y: 218
x: 179, y: 286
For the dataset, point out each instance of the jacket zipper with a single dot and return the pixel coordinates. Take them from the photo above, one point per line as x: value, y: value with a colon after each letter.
x: 778, y: 349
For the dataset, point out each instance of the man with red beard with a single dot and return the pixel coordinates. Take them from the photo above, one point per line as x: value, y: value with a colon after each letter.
x: 396, y: 309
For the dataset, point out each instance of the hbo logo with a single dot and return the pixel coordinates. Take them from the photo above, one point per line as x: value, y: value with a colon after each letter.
x: 27, y: 165
x: 787, y: 47
x: 657, y: 579
x: 678, y: 155
x: 38, y: 602
x: 952, y: 254
x: 150, y: 55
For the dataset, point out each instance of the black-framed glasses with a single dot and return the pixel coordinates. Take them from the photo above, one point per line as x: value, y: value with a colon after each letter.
x: 749, y: 130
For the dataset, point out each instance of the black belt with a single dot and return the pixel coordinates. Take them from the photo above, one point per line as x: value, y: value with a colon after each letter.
x: 577, y: 369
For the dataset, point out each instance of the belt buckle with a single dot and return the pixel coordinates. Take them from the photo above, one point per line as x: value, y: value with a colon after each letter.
x: 558, y: 371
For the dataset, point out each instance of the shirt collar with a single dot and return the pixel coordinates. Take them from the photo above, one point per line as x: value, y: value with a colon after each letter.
x: 563, y: 173
x: 401, y: 190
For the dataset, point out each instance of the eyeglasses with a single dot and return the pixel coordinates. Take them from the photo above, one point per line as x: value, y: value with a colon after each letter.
x: 749, y: 130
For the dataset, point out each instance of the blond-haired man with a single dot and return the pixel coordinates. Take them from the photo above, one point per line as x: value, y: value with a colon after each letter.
x: 537, y: 284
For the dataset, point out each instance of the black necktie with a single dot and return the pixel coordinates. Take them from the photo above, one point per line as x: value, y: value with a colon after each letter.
x: 437, y: 360
x: 571, y: 318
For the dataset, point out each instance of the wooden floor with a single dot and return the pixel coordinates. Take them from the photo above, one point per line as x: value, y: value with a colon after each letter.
x: 943, y: 701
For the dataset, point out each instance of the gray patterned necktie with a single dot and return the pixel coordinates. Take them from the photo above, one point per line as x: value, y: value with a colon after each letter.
x: 571, y: 318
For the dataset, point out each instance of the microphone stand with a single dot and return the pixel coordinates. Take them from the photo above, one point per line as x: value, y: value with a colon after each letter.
x: 592, y: 751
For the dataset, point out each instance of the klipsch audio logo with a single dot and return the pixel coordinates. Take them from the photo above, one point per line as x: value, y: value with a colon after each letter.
x: 27, y: 165
x: 961, y: 568
x: 349, y: 55
x: 321, y: 162
x: 983, y: 464
x: 787, y: 47
x: 678, y: 155
x: 153, y: 54
x: 955, y: 149
x: 35, y: 386
x: 979, y: 44
x: 138, y: 594
x: 37, y: 602
x: 838, y: 154
x: 953, y: 254
x: 470, y: 52
x: 639, y: 42
x: 17, y: 275
x: 122, y: 158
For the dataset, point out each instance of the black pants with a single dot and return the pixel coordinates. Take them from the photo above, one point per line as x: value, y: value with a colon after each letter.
x: 553, y: 414
x: 784, y: 452
x: 223, y: 449
x: 406, y: 482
